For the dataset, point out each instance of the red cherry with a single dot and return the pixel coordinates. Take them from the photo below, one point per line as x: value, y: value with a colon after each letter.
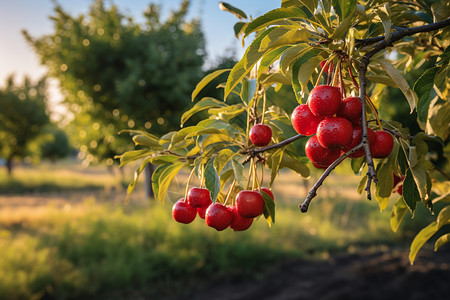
x: 304, y: 121
x: 267, y: 191
x: 260, y: 135
x: 398, y: 184
x: 350, y: 109
x: 198, y: 197
x: 218, y: 216
x: 324, y: 100
x: 320, y: 156
x: 182, y: 212
x: 201, y: 211
x: 383, y: 144
x: 239, y: 223
x: 249, y: 204
x: 328, y: 68
x: 334, y: 132
x: 356, y: 140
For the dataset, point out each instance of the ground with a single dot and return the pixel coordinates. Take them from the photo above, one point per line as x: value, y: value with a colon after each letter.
x: 365, y: 274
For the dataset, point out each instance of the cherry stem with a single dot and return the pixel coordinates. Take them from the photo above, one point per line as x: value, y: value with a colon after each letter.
x: 250, y: 173
x: 313, y: 192
x: 264, y: 106
x: 229, y: 192
x: 343, y: 93
x: 330, y: 60
x: 188, y: 183
x: 335, y: 77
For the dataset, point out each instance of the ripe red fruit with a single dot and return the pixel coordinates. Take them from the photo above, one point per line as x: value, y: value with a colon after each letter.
x: 350, y: 109
x: 328, y: 68
x: 218, y: 216
x: 324, y: 100
x: 198, y: 197
x: 239, y: 223
x: 320, y: 156
x: 182, y: 212
x: 356, y: 140
x: 398, y: 184
x: 267, y: 191
x: 304, y: 121
x: 201, y: 211
x: 383, y: 144
x: 260, y: 135
x: 249, y: 204
x: 334, y: 132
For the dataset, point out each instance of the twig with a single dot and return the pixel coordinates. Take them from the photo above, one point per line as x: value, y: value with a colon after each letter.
x: 313, y: 192
x: 255, y: 151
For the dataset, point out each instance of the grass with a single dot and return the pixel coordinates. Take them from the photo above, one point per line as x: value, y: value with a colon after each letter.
x: 98, y: 246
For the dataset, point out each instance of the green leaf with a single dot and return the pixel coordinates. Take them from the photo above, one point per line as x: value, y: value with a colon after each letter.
x: 347, y: 7
x: 386, y: 21
x: 270, y: 58
x: 344, y: 26
x: 182, y: 134
x: 203, y: 104
x: 130, y: 156
x: 400, y: 81
x: 272, y: 17
x: 222, y: 158
x: 410, y: 192
x: 444, y: 217
x: 243, y: 67
x: 248, y: 89
x: 162, y: 179
x: 291, y: 54
x: 295, y: 165
x: 282, y: 36
x: 238, y: 28
x: 276, y: 162
x: 238, y: 170
x: 164, y: 159
x: 207, y: 79
x: 146, y: 141
x: 423, y: 88
x: 138, y: 171
x: 419, y: 173
x: 233, y: 10
x: 298, y: 86
x: 384, y: 185
x: 442, y: 241
x: 269, y: 207
x: 398, y: 213
x: 362, y: 184
x: 386, y: 80
x: 357, y: 165
x: 212, y: 180
x: 421, y: 238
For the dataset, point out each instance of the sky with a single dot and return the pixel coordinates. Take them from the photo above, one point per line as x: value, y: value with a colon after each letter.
x: 16, y: 56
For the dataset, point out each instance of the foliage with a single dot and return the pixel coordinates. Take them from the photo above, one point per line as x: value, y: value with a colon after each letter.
x: 288, y: 46
x: 22, y: 116
x: 52, y: 143
x: 117, y: 74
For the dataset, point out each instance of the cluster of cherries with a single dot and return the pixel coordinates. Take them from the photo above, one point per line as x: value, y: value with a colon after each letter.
x: 336, y: 123
x: 239, y: 217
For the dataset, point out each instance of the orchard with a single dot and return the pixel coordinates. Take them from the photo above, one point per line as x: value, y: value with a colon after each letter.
x: 337, y: 56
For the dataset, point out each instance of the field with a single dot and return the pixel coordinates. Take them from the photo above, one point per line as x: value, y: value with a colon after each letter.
x: 65, y: 233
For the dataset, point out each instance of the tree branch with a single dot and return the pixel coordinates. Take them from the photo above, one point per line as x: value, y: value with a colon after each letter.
x: 313, y: 192
x: 253, y: 152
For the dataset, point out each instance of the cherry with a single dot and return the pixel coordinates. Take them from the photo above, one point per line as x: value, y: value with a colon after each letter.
x: 334, y: 132
x: 320, y: 156
x: 328, y: 68
x: 304, y: 121
x: 383, y: 144
x: 198, y: 197
x: 398, y: 182
x: 267, y: 191
x: 182, y: 212
x: 324, y: 100
x: 350, y: 109
x: 201, y: 211
x: 249, y: 204
x: 356, y: 140
x: 218, y: 216
x: 260, y: 135
x: 239, y: 223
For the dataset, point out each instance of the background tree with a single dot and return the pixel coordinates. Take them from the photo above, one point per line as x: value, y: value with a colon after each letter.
x: 117, y: 74
x: 22, y: 116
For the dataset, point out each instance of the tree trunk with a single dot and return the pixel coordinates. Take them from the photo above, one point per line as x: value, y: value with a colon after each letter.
x: 148, y: 171
x: 9, y: 165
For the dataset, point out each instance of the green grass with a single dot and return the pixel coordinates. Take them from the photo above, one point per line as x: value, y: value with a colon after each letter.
x: 99, y: 246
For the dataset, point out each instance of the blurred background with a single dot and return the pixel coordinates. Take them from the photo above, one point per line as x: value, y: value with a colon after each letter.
x: 75, y: 73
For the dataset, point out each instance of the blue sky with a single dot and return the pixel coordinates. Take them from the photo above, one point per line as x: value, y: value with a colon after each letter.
x: 16, y: 56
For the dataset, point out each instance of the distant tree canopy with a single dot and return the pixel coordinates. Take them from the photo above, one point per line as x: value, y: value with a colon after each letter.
x: 117, y: 74
x: 22, y: 116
